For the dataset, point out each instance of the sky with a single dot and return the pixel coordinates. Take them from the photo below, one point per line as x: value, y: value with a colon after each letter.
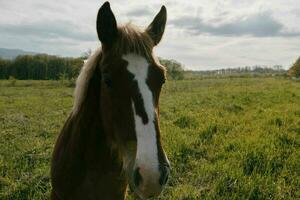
x: 201, y: 34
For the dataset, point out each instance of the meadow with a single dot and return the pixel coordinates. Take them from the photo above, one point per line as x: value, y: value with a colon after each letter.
x: 228, y: 138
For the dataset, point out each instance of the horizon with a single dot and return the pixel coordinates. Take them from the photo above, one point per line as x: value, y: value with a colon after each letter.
x: 216, y: 68
x: 214, y: 35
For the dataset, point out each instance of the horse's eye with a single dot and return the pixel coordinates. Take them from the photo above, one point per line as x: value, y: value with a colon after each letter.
x: 107, y: 80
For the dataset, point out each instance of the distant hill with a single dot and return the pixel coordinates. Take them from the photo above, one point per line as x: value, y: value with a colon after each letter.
x: 13, y: 53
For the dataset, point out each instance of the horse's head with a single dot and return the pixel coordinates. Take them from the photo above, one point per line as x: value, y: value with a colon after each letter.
x: 131, y: 83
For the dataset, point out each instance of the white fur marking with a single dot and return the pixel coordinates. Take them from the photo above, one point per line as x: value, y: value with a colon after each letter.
x: 146, y: 155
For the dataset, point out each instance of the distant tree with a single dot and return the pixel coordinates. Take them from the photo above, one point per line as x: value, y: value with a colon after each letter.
x: 175, y: 69
x: 85, y: 55
x: 4, y: 68
x: 294, y: 71
x: 278, y: 67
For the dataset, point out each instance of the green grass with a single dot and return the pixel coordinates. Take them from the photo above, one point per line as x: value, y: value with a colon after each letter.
x: 226, y: 138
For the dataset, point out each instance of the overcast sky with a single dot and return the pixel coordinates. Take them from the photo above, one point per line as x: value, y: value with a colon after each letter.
x: 201, y: 34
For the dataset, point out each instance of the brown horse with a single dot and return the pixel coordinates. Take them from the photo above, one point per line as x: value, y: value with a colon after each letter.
x: 112, y: 137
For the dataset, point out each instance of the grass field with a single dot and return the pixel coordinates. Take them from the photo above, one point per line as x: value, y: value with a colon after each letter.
x: 226, y: 138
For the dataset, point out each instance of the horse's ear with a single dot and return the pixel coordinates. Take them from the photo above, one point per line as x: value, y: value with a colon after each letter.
x: 106, y: 25
x: 157, y: 27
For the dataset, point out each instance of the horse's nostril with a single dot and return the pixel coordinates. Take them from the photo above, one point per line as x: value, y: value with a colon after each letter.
x: 137, y: 178
x: 164, y: 175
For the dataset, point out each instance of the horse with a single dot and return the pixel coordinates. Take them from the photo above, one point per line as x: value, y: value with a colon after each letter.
x: 111, y: 139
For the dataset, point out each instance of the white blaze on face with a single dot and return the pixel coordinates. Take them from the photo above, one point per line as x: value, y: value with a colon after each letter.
x: 146, y: 156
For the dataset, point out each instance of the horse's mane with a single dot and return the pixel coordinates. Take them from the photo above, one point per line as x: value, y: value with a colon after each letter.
x: 130, y: 40
x: 83, y: 79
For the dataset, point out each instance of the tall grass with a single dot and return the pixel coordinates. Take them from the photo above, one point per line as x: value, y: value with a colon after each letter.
x: 226, y: 138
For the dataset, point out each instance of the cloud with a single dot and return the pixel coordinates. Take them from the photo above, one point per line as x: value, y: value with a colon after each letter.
x: 141, y: 12
x: 202, y: 34
x: 47, y: 30
x: 257, y: 25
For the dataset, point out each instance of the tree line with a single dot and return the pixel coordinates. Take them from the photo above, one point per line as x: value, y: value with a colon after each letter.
x: 276, y: 69
x: 40, y: 67
x: 48, y: 67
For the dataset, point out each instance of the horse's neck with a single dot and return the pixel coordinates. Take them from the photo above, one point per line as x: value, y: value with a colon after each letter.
x: 84, y: 158
x: 85, y: 161
x: 104, y: 166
